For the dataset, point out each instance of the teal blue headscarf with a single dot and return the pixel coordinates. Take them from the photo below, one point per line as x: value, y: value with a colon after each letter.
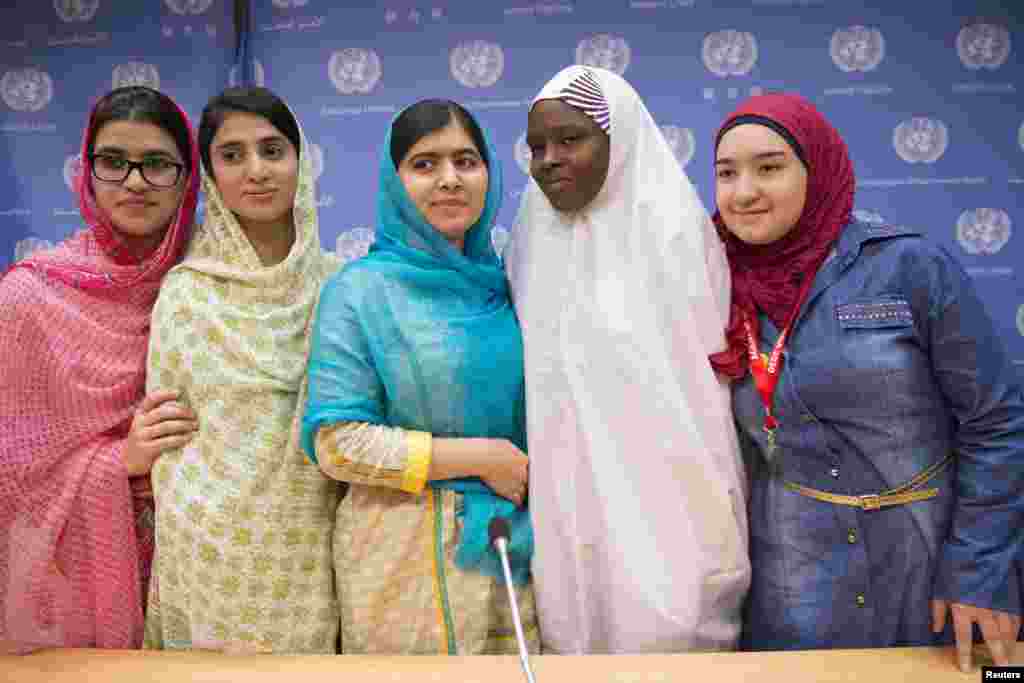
x: 422, y: 336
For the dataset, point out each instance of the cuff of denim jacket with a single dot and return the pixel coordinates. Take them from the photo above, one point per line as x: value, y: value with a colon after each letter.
x: 992, y: 583
x: 419, y: 448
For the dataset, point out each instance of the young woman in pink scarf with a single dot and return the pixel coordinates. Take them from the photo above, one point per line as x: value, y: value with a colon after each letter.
x: 77, y: 435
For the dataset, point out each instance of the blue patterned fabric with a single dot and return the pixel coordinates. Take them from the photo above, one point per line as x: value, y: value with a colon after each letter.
x: 422, y: 336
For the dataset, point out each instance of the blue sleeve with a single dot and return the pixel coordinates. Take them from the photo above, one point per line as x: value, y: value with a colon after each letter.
x: 984, y: 394
x: 344, y: 385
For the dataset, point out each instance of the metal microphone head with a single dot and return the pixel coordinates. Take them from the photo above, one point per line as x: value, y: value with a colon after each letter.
x: 498, y: 528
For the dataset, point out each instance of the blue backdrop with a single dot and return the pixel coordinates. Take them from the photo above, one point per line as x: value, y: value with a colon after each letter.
x: 929, y: 95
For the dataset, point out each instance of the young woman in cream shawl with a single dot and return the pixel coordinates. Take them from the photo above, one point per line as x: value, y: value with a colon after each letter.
x: 243, y: 555
x: 622, y: 290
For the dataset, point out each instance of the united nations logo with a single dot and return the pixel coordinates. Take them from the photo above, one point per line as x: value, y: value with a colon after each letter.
x: 72, y: 170
x: 477, y: 63
x: 983, y: 231
x: 857, y: 48
x: 234, y: 79
x: 136, y: 73
x: 30, y: 245
x: 186, y: 7
x: 681, y: 141
x: 354, y: 70
x: 316, y: 157
x: 1020, y: 319
x: 1020, y: 136
x: 522, y: 154
x: 286, y: 4
x: 353, y: 244
x: 76, y: 10
x: 26, y: 89
x: 920, y: 140
x: 983, y: 46
x: 604, y: 51
x: 729, y: 53
x: 869, y: 216
x: 499, y: 239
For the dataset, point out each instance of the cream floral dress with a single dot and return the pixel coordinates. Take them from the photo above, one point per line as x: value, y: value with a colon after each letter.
x: 244, y: 520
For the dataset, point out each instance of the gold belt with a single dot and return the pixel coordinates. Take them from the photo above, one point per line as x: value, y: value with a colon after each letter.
x: 873, y: 501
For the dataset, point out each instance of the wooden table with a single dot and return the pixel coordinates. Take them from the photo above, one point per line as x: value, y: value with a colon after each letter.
x: 915, y: 665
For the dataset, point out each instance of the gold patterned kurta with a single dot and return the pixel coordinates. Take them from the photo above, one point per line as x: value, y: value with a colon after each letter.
x: 395, y: 539
x: 244, y: 521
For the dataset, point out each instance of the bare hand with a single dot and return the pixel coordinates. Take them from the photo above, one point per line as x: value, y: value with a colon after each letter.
x: 507, y: 470
x: 999, y: 629
x: 160, y: 424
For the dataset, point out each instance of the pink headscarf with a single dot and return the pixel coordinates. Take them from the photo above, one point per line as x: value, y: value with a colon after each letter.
x: 76, y: 535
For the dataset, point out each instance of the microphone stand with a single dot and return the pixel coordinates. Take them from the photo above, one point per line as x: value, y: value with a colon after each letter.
x: 499, y: 532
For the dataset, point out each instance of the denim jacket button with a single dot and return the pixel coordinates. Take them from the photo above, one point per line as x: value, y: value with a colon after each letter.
x: 834, y: 472
x: 861, y: 600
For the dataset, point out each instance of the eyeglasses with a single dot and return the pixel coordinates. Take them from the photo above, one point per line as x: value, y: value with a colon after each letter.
x: 156, y: 171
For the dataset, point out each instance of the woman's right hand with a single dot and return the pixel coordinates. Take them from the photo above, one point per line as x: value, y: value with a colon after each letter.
x: 506, y: 470
x: 160, y: 424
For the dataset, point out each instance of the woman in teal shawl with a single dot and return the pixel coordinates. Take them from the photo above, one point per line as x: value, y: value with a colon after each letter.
x: 416, y: 378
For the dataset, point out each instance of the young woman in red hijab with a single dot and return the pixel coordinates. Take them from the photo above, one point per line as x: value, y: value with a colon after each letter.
x: 882, y: 421
x: 77, y: 437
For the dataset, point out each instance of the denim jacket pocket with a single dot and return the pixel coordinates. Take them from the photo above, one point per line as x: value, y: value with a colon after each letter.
x: 875, y: 314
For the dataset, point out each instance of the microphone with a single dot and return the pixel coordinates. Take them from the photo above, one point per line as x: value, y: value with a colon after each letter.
x: 499, y: 533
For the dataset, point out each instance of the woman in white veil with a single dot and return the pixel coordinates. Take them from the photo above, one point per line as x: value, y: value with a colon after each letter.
x: 621, y: 286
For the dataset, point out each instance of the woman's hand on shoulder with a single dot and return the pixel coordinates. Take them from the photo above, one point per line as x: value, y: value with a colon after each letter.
x: 506, y: 470
x: 160, y: 424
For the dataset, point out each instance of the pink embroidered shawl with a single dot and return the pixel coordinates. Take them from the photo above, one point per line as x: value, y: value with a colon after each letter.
x: 76, y: 535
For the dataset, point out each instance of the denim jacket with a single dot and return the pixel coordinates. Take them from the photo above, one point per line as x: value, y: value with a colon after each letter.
x: 892, y: 365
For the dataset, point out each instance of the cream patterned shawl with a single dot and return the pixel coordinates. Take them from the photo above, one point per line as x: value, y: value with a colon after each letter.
x: 244, y: 520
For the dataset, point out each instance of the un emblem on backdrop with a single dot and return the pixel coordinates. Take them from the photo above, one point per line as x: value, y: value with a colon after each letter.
x: 499, y: 239
x: 729, y: 52
x: 234, y: 80
x: 1020, y: 137
x: 76, y: 10
x: 1020, y: 319
x: 477, y: 63
x: 983, y: 231
x: 316, y: 158
x: 136, y: 73
x: 681, y: 141
x: 30, y: 245
x: 857, y: 48
x: 920, y: 140
x: 522, y: 154
x: 287, y: 4
x: 604, y: 51
x: 72, y: 170
x: 353, y: 244
x: 186, y: 7
x: 26, y: 89
x: 354, y: 70
x: 983, y: 46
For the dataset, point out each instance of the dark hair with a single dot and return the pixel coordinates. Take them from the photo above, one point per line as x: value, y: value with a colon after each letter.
x: 139, y: 103
x: 426, y: 117
x: 250, y: 100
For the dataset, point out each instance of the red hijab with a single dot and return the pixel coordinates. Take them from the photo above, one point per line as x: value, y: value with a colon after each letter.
x: 768, y: 277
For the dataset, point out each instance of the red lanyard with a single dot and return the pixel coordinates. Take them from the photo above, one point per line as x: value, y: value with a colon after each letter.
x: 766, y: 368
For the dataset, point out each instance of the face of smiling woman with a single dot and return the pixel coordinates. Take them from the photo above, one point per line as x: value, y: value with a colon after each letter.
x: 760, y: 184
x: 446, y: 178
x: 256, y: 169
x: 570, y: 154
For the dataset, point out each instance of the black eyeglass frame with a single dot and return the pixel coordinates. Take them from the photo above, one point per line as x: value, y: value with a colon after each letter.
x: 131, y: 166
